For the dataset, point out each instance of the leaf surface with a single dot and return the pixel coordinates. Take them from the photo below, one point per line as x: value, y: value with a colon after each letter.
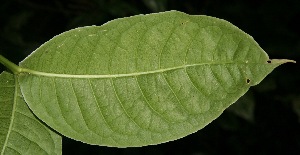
x: 20, y: 131
x: 141, y: 80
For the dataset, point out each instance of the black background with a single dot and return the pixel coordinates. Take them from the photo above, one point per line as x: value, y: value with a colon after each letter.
x: 274, y: 127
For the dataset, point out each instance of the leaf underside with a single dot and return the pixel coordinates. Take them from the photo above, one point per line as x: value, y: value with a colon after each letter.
x: 141, y: 80
x: 21, y: 132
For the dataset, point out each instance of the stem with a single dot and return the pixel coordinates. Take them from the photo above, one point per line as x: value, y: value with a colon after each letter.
x: 11, y: 66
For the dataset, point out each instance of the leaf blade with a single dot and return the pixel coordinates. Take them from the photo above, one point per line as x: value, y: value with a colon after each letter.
x: 25, y: 134
x: 141, y: 80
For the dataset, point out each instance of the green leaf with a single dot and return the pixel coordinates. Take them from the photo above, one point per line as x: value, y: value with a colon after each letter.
x: 20, y: 131
x: 141, y: 80
x: 244, y: 107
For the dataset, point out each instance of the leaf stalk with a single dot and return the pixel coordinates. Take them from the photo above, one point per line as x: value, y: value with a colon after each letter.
x: 10, y: 65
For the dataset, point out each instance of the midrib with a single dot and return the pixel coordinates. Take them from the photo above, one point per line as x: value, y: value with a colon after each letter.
x: 12, y: 119
x: 83, y: 76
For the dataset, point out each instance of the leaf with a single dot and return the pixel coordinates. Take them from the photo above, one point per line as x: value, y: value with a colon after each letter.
x: 20, y: 131
x: 296, y: 106
x: 141, y: 80
x: 244, y: 107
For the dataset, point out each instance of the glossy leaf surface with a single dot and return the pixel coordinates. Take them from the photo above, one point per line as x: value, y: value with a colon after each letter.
x: 141, y: 80
x: 20, y: 131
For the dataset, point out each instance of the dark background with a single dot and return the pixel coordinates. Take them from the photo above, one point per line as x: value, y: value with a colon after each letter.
x: 265, y: 121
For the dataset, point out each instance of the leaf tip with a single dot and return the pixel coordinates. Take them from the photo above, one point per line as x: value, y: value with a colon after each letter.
x: 280, y: 61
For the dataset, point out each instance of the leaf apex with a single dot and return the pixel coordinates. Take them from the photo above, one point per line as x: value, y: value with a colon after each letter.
x: 281, y: 61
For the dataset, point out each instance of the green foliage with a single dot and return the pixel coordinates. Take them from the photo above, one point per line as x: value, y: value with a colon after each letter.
x: 21, y: 132
x: 141, y: 80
